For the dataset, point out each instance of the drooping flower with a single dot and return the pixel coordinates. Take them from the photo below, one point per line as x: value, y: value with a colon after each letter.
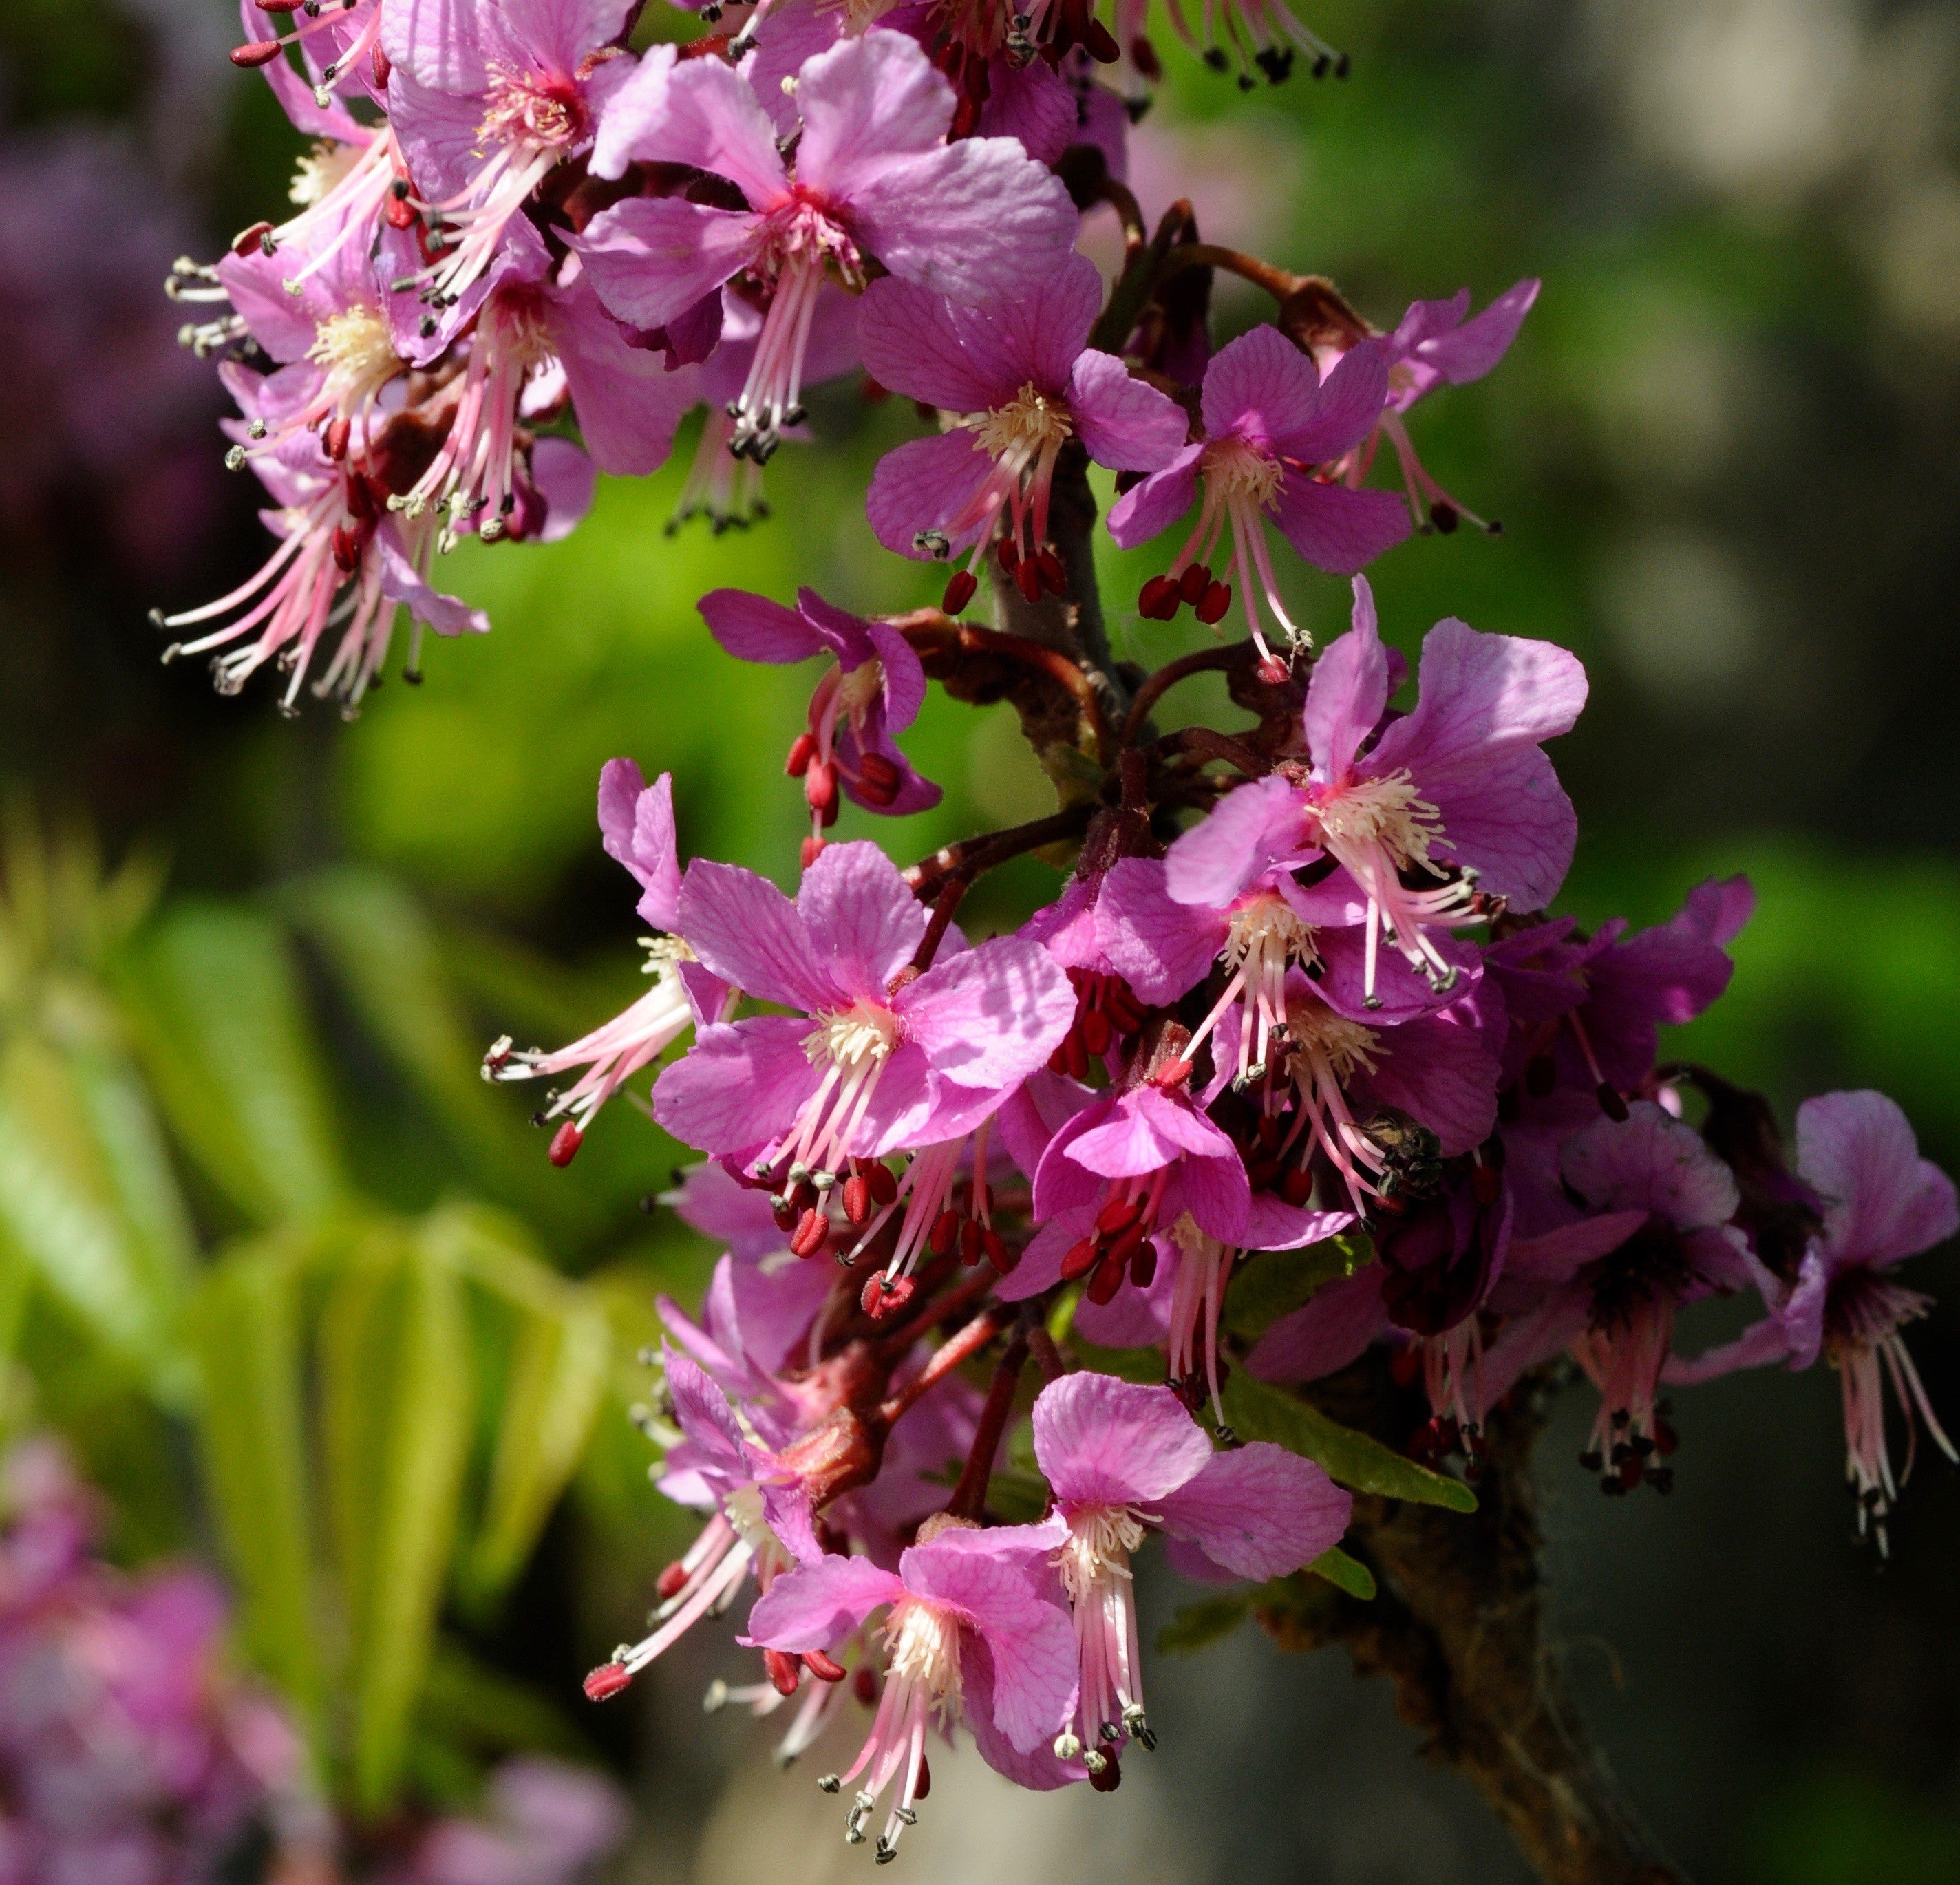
x: 1464, y: 773
x: 636, y: 824
x: 1121, y: 1458
x: 486, y: 98
x: 878, y: 1059
x: 1025, y: 381
x: 976, y: 1630
x: 1270, y: 423
x: 1434, y: 345
x: 976, y: 220
x: 873, y: 688
x: 1882, y: 1203
x: 1655, y: 1235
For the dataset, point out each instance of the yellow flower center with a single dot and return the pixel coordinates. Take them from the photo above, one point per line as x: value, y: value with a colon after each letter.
x: 1029, y: 425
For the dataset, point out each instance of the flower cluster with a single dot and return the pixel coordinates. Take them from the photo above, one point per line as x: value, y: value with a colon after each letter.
x: 1301, y: 991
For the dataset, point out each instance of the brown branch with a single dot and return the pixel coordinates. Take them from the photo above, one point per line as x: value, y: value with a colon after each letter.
x: 973, y: 857
x: 942, y: 921
x: 1128, y: 211
x: 1208, y: 745
x: 969, y: 1496
x: 1206, y: 660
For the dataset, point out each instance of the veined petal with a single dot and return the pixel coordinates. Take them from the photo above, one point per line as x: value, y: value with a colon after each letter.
x: 1101, y: 1441
x: 653, y: 258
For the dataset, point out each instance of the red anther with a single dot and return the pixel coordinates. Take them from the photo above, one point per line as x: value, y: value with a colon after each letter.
x: 1611, y: 1103
x: 785, y: 1215
x: 1217, y: 598
x: 1143, y: 56
x: 1665, y: 1438
x: 813, y: 849
x: 1172, y: 1073
x: 1095, y: 1026
x: 671, y: 1581
x: 819, y: 785
x: 878, y: 778
x: 1296, y: 1186
x: 1128, y: 1245
x: 383, y: 67
x: 333, y: 441
x: 959, y: 588
x: 346, y: 551
x: 1485, y: 1184
x: 1272, y: 670
x: 813, y: 1233
x: 260, y: 52
x: 275, y: 6
x: 247, y: 240
x: 1080, y: 1260
x: 1192, y: 584
x: 1075, y: 1054
x: 884, y: 1186
x: 945, y: 1230
x: 359, y: 499
x: 1108, y: 1279
x: 398, y: 212
x: 1123, y: 1008
x: 1052, y: 573
x: 1028, y: 578
x: 1261, y: 1172
x: 999, y: 1252
x: 864, y: 1686
x: 1102, y: 45
x: 965, y: 116
x: 882, y: 1298
x: 857, y: 1201
x: 802, y: 749
x: 1009, y: 552
x: 566, y: 1142
x: 1631, y: 1471
x: 969, y: 1243
x: 824, y: 1668
x: 1271, y: 1130
x: 785, y: 1670
x: 607, y: 1679
x: 1157, y: 600
x: 1119, y: 1215
x: 1144, y: 1264
x: 924, y: 1786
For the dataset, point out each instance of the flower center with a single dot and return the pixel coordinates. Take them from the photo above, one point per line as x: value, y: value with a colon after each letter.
x: 322, y: 171
x: 1316, y: 1032
x: 1265, y: 935
x: 355, y: 348
x: 924, y: 1640
x: 859, y: 688
x: 515, y: 322
x: 1242, y: 472
x: 1388, y: 813
x: 1029, y: 425
x: 528, y: 108
x: 802, y: 229
x: 862, y: 1034
x: 1100, y: 1540
x: 743, y: 1509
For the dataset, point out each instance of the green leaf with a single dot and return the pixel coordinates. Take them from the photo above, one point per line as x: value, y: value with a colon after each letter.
x: 1274, y: 1283
x: 215, y: 1001
x: 399, y: 1403
x: 1144, y: 1366
x: 1345, y: 1573
x: 252, y: 1427
x: 87, y: 1201
x: 1256, y: 1412
x: 1196, y: 1626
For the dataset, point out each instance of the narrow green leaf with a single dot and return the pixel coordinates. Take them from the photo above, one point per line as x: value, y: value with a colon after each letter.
x: 1274, y: 1283
x: 1196, y: 1626
x: 1256, y: 1412
x: 1345, y: 1573
x: 252, y: 1430
x: 214, y: 1001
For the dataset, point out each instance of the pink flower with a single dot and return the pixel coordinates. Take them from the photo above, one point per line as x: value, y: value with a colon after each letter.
x: 976, y: 220
x: 487, y: 98
x: 1464, y: 773
x: 1882, y: 1203
x: 1436, y: 345
x: 975, y: 1629
x: 1024, y: 376
x: 544, y: 1822
x: 1270, y: 422
x: 1120, y: 1459
x: 886, y: 1060
x: 636, y: 822
x: 1658, y: 1237
x: 873, y: 688
x: 349, y: 34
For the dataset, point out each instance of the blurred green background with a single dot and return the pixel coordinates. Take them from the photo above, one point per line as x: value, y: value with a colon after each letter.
x: 261, y: 1224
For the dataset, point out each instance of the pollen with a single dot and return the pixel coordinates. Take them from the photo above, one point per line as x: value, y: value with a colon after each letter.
x: 1030, y: 424
x: 860, y: 688
x: 1314, y: 1031
x: 1265, y: 933
x: 357, y: 352
x: 1386, y: 812
x: 1100, y: 1540
x: 530, y: 109
x: 322, y: 171
x: 862, y: 1034
x: 1240, y: 473
x: 924, y: 1645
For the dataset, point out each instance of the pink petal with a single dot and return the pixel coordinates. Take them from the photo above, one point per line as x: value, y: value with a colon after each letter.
x: 1259, y: 1510
x: 1347, y: 692
x: 1160, y: 946
x: 697, y: 112
x: 866, y: 103
x: 1533, y: 1338
x: 1326, y: 1333
x: 1148, y: 509
x: 1883, y: 1201
x: 738, y: 1087
x: 1336, y: 529
x: 1350, y: 403
x: 1033, y: 104
x: 1653, y: 1161
x: 864, y: 923
x: 1442, y: 1070
x: 1101, y: 1441
x: 904, y: 677
x: 702, y: 1413
x: 1757, y: 1346
x: 1271, y: 1223
x: 1475, y: 347
x: 914, y: 344
x: 748, y: 933
x: 652, y: 258
x: 991, y: 1016
x: 1040, y: 1266
x: 627, y: 404
x: 1481, y: 694
x: 753, y: 629
x: 1123, y: 422
x: 1249, y: 830
x: 1260, y: 387
x: 1038, y: 1769
x: 566, y: 480
x: 658, y: 851
x: 1215, y: 1192
x: 402, y: 582
x: 923, y: 486
x: 815, y: 1606
x: 1557, y: 1256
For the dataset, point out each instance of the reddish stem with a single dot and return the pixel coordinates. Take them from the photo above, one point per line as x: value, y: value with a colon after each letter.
x: 948, y: 1356
x: 969, y: 1496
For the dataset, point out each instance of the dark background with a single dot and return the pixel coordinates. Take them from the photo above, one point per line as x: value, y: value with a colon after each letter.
x: 1724, y: 453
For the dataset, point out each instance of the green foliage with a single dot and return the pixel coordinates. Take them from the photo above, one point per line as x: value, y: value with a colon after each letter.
x: 1300, y: 1598
x: 1274, y: 1283
x: 1256, y: 1412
